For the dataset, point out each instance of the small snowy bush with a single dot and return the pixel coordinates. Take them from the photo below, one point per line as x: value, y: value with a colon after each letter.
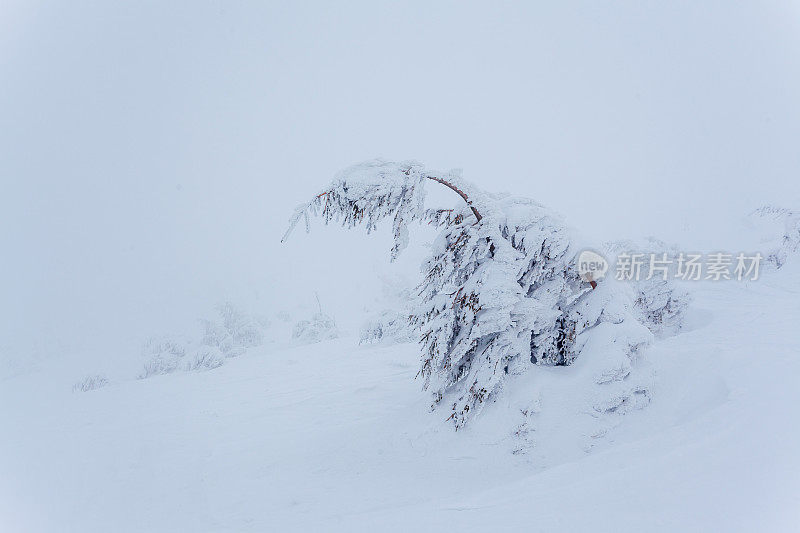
x: 90, y: 383
x: 206, y: 358
x: 164, y: 355
x: 321, y: 327
x: 388, y: 327
x: 789, y: 238
x: 392, y: 324
x: 659, y: 303
x: 235, y: 331
x: 500, y: 290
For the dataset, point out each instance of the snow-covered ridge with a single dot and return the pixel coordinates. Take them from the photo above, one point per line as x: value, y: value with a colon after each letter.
x: 334, y: 436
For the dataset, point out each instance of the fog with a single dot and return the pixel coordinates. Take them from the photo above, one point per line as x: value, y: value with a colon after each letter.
x: 152, y: 153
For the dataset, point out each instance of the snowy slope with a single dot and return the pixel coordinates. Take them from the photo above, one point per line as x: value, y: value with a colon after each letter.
x: 337, y: 436
x: 150, y: 156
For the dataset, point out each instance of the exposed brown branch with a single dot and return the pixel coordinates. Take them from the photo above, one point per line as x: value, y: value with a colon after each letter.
x: 461, y: 193
x: 447, y: 184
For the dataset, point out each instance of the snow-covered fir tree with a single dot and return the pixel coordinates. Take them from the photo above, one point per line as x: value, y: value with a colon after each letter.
x: 501, y: 291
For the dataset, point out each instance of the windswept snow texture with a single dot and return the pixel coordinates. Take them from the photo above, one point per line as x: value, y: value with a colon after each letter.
x: 334, y: 436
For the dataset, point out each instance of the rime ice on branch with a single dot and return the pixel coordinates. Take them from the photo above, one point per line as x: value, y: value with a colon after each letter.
x: 500, y: 290
x: 370, y: 192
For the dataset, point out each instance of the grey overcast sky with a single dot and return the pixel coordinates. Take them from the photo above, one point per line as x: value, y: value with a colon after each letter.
x: 152, y: 152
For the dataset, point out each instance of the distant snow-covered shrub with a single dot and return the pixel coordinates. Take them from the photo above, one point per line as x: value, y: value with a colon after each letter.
x: 234, y: 332
x: 388, y: 327
x: 788, y: 236
x: 164, y: 355
x: 230, y: 335
x: 206, y: 358
x: 393, y: 323
x: 90, y: 383
x: 659, y: 302
x: 321, y: 327
x: 661, y: 305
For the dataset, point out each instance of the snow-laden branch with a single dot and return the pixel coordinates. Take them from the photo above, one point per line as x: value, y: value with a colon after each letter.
x: 461, y: 193
x: 371, y: 191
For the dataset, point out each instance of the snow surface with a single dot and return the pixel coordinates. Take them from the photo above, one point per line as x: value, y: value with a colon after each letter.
x: 336, y: 436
